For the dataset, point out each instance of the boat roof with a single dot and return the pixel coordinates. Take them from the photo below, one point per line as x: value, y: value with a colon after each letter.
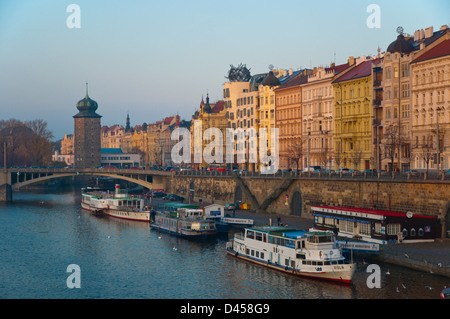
x: 180, y: 205
x: 369, y: 211
x: 281, y: 231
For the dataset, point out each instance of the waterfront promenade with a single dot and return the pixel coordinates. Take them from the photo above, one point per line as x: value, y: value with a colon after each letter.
x: 433, y: 257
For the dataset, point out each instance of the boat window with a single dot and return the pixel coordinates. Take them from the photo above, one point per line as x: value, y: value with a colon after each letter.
x: 250, y: 234
x: 300, y: 256
x: 320, y: 263
x: 262, y: 255
x: 258, y: 236
x: 265, y: 238
x: 420, y: 232
x: 257, y: 254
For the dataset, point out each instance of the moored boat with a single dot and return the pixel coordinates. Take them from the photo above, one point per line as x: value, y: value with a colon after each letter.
x: 118, y: 204
x: 183, y: 222
x: 310, y: 253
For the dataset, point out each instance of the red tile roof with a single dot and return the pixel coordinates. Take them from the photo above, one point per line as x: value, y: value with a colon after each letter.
x: 440, y: 50
x: 361, y: 70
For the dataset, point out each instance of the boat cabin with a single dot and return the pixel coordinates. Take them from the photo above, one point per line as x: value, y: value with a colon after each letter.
x: 376, y: 226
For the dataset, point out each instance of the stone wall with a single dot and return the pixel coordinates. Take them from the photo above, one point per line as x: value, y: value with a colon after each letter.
x: 419, y: 197
x: 5, y: 193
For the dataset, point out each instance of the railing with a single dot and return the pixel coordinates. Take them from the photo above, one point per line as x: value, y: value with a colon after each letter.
x: 385, y: 176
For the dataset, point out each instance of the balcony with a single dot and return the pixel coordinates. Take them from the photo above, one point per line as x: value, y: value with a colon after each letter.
x: 376, y: 102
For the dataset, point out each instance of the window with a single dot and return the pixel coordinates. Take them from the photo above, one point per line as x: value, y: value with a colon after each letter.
x: 393, y: 229
x: 364, y: 229
x: 412, y: 232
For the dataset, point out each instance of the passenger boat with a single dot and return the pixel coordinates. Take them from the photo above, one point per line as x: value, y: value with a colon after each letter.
x: 116, y: 204
x: 183, y: 222
x: 309, y: 253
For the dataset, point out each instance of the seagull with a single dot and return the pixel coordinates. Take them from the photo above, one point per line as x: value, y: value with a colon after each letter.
x: 429, y: 287
x: 109, y: 236
x: 397, y: 289
x: 440, y: 264
x: 159, y: 237
x: 404, y: 287
x: 388, y: 272
x: 406, y: 256
x: 174, y: 248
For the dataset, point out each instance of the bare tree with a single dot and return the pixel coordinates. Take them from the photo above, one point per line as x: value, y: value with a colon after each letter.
x: 295, y: 151
x: 426, y: 152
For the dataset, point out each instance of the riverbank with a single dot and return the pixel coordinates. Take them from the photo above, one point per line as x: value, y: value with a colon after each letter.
x: 431, y: 257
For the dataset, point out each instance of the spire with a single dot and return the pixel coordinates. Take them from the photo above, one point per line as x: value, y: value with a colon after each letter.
x: 87, y: 89
x: 127, y: 126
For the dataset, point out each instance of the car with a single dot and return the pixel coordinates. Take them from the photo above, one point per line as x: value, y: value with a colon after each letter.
x: 174, y: 197
x: 158, y: 194
x: 229, y: 207
x: 312, y: 169
x: 343, y: 171
x: 411, y: 172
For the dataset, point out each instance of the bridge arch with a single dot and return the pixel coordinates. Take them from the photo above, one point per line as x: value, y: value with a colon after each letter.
x: 138, y: 181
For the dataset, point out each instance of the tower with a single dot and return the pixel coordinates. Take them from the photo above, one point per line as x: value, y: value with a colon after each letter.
x: 87, y: 139
x: 127, y: 124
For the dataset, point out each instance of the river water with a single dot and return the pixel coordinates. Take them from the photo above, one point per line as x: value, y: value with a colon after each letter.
x: 43, y: 232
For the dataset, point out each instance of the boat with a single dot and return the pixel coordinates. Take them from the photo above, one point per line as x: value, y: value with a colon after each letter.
x: 217, y: 213
x: 310, y: 253
x: 182, y: 221
x: 117, y: 204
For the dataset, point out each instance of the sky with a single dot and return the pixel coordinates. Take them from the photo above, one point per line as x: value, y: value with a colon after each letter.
x: 157, y: 58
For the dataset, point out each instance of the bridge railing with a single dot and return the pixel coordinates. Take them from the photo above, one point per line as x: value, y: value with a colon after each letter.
x: 398, y: 176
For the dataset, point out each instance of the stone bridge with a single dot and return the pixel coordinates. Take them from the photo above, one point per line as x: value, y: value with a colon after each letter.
x: 16, y: 178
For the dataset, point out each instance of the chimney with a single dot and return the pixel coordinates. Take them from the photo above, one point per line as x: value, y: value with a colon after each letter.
x: 351, y: 60
x: 444, y: 27
x: 429, y: 32
x: 315, y: 70
x: 332, y: 65
x: 291, y: 71
x: 422, y: 34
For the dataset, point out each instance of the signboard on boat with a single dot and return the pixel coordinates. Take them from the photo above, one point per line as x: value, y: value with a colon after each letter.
x: 358, y: 246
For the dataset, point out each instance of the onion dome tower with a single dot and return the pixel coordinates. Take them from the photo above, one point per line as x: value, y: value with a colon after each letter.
x: 270, y: 80
x: 400, y: 45
x: 87, y: 138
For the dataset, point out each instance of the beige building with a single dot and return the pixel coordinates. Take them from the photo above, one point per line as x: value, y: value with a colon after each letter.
x: 317, y: 118
x: 430, y: 72
x: 395, y: 123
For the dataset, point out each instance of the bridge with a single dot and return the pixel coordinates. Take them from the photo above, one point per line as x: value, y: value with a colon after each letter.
x: 13, y: 179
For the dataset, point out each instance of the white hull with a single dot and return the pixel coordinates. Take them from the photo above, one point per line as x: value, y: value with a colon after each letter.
x: 312, y: 254
x: 341, y: 273
x: 143, y: 216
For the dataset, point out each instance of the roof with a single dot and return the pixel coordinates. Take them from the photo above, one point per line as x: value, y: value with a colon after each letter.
x: 438, y: 51
x: 338, y: 68
x: 297, y: 80
x: 111, y: 151
x: 271, y: 80
x: 401, y: 45
x: 359, y: 71
x: 372, y: 211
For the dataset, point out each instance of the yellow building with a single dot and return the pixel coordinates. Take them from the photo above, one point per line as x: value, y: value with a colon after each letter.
x: 209, y: 116
x: 353, y: 115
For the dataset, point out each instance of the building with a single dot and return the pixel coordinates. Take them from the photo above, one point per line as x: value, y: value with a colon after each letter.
x: 317, y: 116
x: 393, y: 101
x: 208, y: 116
x: 353, y: 115
x: 87, y: 137
x: 115, y: 157
x: 67, y: 158
x: 430, y: 72
x: 289, y: 122
x: 67, y: 145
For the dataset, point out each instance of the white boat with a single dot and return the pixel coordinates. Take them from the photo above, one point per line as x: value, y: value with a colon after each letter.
x: 118, y: 204
x: 183, y: 222
x: 311, y: 253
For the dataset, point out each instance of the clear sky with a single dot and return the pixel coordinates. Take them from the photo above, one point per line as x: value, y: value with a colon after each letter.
x: 157, y: 58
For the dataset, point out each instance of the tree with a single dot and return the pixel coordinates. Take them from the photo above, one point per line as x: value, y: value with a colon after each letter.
x: 426, y: 151
x: 295, y: 152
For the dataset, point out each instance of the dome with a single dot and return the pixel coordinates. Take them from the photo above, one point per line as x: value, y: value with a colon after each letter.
x: 270, y: 80
x: 87, y: 107
x: 401, y: 45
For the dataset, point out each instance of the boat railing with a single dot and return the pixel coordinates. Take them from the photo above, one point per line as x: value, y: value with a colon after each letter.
x: 239, y: 236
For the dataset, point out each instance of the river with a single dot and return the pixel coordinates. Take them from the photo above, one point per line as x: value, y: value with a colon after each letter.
x: 43, y: 232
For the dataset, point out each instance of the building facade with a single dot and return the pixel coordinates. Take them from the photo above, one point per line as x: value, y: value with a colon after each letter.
x: 430, y: 73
